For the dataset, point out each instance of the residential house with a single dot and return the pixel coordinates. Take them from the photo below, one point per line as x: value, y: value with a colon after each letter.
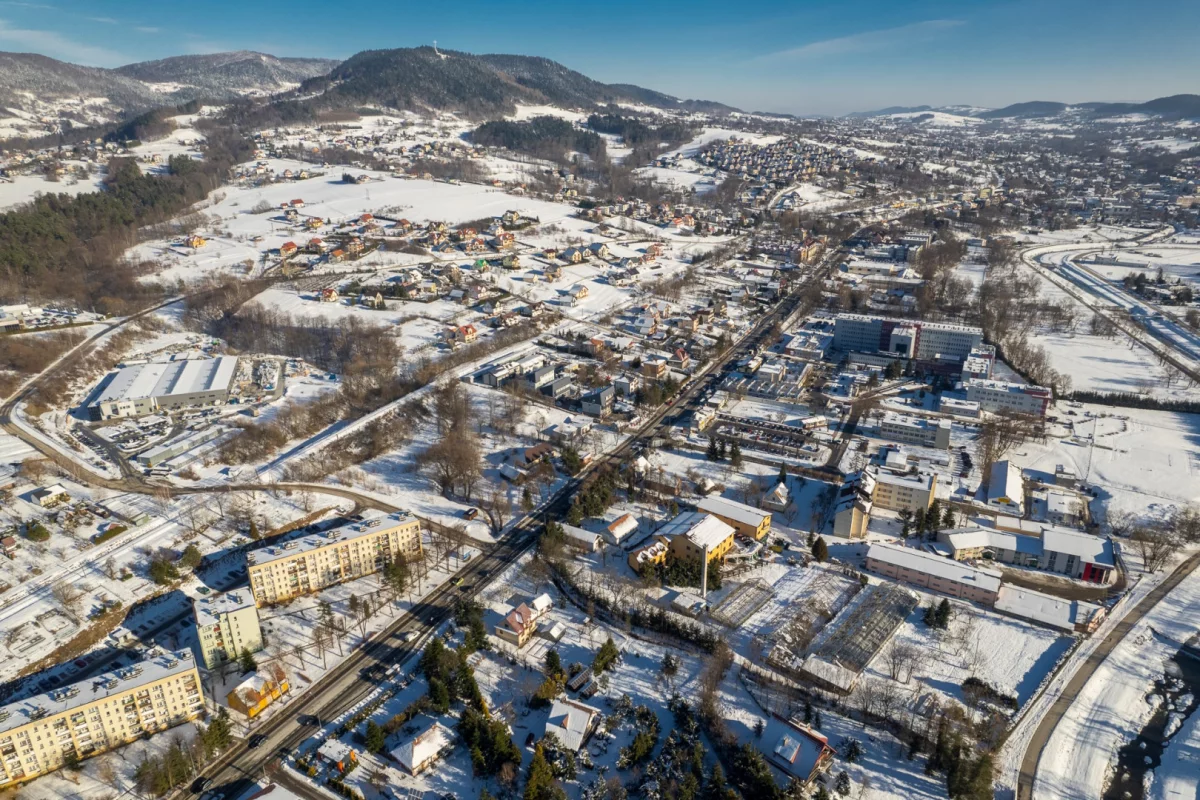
x: 744, y: 519
x: 801, y: 752
x: 572, y: 722
x: 518, y: 626
x: 337, y: 754
x: 262, y: 687
x: 422, y: 751
x: 50, y: 495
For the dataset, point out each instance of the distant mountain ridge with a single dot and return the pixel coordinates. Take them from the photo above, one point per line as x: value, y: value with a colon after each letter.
x: 479, y: 85
x: 1179, y: 106
x: 222, y: 74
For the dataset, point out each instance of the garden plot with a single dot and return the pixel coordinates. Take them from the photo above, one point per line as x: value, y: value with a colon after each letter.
x: 742, y: 603
x: 814, y: 596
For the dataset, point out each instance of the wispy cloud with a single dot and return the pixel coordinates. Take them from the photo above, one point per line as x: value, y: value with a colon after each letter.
x: 147, y: 29
x: 20, y: 4
x: 104, y: 20
x: 55, y: 45
x: 865, y: 42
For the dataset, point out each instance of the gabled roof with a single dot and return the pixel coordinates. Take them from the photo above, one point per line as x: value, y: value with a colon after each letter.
x: 426, y: 744
x: 571, y: 721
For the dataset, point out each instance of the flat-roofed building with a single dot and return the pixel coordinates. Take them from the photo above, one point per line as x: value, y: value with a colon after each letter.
x: 934, y: 572
x: 910, y: 491
x: 905, y: 338
x: 42, y: 733
x: 915, y: 430
x: 692, y: 532
x: 1072, y: 553
x: 746, y: 520
x: 226, y: 624
x: 162, y: 386
x: 317, y: 560
x: 1018, y: 398
x: 1006, y: 488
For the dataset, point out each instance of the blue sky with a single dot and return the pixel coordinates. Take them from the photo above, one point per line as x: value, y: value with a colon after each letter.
x: 799, y: 56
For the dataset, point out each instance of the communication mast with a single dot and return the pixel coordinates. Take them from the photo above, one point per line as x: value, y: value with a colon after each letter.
x: 435, y: 51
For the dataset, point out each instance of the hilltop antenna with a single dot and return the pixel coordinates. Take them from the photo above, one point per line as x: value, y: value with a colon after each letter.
x: 435, y: 51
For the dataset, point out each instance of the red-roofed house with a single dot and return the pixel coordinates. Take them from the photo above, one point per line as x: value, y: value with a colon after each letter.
x: 800, y: 751
x: 288, y: 249
x: 518, y: 627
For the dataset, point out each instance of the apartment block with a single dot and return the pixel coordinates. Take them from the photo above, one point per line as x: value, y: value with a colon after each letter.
x: 693, y: 532
x: 226, y: 624
x: 1018, y: 398
x: 308, y: 564
x: 915, y: 430
x: 900, y: 491
x: 41, y: 733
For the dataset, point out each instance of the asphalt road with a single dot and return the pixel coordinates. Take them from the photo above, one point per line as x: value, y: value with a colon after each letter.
x: 1041, y: 736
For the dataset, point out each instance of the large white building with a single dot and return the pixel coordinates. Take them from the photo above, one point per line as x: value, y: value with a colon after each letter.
x: 1067, y: 552
x: 911, y: 339
x: 898, y: 491
x: 226, y: 624
x: 310, y: 563
x: 915, y: 430
x: 1018, y: 398
x: 161, y: 386
x: 39, y: 734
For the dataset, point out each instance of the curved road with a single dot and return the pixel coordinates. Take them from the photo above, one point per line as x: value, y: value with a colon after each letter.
x: 1026, y: 780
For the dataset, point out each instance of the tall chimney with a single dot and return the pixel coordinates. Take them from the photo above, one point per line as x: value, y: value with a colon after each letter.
x: 704, y: 575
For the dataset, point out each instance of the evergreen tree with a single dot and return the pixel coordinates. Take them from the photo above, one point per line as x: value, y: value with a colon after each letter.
x: 375, y: 737
x: 439, y: 695
x: 783, y: 474
x: 721, y: 450
x: 841, y: 784
x: 816, y: 720
x: 735, y: 455
x: 942, y: 617
x: 526, y: 500
x: 553, y: 664
x: 712, y: 453
x: 574, y: 514
x: 808, y: 712
x: 246, y: 661
x: 948, y: 517
x: 854, y: 751
x: 820, y: 550
x: 539, y: 784
x: 979, y: 785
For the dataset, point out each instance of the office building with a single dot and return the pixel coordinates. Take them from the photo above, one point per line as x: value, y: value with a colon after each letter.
x: 909, y: 339
x: 164, y: 386
x: 915, y: 430
x: 317, y: 560
x: 1017, y: 398
x: 41, y: 733
x: 226, y: 624
x: 1072, y: 553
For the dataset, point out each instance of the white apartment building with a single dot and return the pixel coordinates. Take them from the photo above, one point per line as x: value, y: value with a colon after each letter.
x: 916, y: 339
x: 41, y: 733
x: 226, y: 624
x: 898, y: 492
x: 310, y: 563
x: 915, y: 430
x: 1019, y: 398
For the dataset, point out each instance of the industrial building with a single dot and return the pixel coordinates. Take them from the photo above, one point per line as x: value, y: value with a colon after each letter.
x: 1017, y: 398
x: 915, y: 430
x: 40, y: 734
x: 226, y: 624
x: 1072, y: 553
x: 905, y: 338
x: 310, y: 563
x: 162, y: 386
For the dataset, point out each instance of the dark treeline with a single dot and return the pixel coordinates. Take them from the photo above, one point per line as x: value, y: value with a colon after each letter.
x: 146, y: 126
x: 634, y: 132
x: 59, y: 247
x: 543, y: 137
x: 1130, y: 400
